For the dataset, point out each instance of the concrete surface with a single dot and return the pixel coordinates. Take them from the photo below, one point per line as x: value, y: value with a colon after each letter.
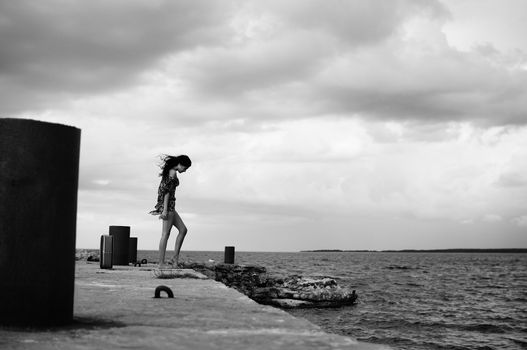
x: 116, y: 309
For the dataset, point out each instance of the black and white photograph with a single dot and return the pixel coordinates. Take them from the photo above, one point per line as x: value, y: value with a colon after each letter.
x: 263, y: 174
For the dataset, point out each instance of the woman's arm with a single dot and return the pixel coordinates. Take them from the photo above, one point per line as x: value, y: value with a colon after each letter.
x: 165, y: 203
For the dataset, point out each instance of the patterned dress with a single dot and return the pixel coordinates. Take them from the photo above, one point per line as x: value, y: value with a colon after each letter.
x: 167, y: 185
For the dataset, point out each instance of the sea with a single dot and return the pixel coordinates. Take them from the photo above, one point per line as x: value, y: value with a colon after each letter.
x: 410, y: 300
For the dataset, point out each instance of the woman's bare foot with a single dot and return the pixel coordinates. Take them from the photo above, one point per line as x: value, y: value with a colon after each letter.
x: 165, y: 266
x: 174, y: 262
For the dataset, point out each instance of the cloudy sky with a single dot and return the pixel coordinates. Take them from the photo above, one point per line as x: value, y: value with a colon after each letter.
x: 375, y: 124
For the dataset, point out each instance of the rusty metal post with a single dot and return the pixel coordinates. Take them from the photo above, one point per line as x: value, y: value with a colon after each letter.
x: 39, y: 176
x: 121, y: 245
x: 229, y: 255
x: 132, y: 250
x: 106, y: 252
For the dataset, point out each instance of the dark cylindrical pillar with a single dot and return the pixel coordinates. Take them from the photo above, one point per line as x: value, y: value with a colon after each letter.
x: 229, y: 255
x: 132, y: 251
x: 121, y: 247
x: 106, y: 254
x: 39, y: 176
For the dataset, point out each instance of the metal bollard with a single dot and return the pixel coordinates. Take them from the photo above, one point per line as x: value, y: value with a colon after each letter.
x: 121, y: 245
x: 39, y: 177
x: 106, y: 252
x: 229, y: 255
x: 132, y: 250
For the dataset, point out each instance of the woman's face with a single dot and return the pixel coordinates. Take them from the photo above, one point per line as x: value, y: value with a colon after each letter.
x: 179, y: 168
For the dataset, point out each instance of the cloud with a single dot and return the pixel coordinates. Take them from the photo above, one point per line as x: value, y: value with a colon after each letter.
x: 512, y: 179
x: 376, y: 60
x: 520, y: 220
x: 257, y: 65
x: 76, y: 47
x: 299, y: 116
x: 478, y: 21
x: 281, y: 47
x: 353, y: 23
x: 391, y: 84
x: 492, y: 218
x: 410, y: 73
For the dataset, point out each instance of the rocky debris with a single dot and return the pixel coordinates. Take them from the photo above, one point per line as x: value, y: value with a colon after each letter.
x: 244, y: 278
x: 83, y: 254
x: 398, y: 267
x: 293, y: 291
x: 177, y: 273
x: 93, y: 258
x: 322, y: 291
x: 290, y: 303
x: 208, y: 269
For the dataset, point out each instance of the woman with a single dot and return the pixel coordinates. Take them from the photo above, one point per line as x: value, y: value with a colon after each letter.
x: 165, y: 206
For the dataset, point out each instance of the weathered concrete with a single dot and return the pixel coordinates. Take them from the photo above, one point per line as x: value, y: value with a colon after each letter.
x: 115, y: 309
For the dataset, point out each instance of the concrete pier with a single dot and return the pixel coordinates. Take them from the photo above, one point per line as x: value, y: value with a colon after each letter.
x: 116, y: 309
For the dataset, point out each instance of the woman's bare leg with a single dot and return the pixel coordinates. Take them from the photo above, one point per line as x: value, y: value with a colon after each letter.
x: 165, y: 233
x: 178, y: 223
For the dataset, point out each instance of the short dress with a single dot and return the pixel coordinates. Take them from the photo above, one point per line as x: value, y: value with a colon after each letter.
x: 167, y: 185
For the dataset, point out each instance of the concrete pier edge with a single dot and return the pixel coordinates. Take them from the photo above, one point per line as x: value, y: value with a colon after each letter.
x: 116, y: 309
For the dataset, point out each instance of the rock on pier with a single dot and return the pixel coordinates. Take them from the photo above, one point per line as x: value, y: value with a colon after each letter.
x: 293, y: 291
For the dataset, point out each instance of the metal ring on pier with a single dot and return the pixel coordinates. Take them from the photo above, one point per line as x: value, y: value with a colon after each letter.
x: 144, y: 261
x: 137, y: 264
x: 160, y: 289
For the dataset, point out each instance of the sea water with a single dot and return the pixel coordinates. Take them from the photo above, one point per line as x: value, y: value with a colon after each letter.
x: 411, y: 300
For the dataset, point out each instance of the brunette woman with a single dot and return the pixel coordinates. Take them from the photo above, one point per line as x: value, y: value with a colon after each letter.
x: 166, y: 203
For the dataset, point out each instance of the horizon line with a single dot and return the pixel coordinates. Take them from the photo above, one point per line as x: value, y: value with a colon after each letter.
x: 355, y: 250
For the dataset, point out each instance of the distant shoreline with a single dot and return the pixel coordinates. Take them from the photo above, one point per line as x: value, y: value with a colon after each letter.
x: 453, y: 250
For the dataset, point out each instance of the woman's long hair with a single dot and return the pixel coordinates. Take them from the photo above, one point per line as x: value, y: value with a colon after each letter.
x: 168, y: 162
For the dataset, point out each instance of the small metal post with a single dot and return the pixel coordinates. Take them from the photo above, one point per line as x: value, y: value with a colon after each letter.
x: 229, y: 255
x: 132, y: 252
x: 121, y: 245
x: 106, y: 253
